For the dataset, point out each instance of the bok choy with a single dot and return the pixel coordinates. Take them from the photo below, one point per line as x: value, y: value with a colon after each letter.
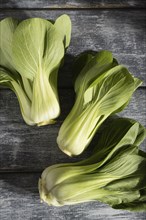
x: 113, y: 174
x: 102, y: 88
x: 31, y: 53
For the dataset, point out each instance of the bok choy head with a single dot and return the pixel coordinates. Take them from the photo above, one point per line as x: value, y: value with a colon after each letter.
x: 102, y: 88
x: 113, y: 174
x: 31, y: 53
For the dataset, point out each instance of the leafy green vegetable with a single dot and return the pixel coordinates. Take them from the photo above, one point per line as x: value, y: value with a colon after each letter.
x: 114, y: 174
x: 102, y: 88
x: 31, y: 52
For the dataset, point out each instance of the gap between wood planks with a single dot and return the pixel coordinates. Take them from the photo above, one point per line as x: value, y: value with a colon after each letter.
x: 72, y: 9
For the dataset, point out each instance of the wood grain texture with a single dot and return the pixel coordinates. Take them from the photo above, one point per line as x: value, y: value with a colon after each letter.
x: 19, y: 196
x: 25, y: 148
x: 74, y: 4
x: 122, y: 32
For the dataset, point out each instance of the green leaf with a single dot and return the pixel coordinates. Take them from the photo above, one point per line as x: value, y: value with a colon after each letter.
x: 63, y: 26
x: 5, y: 76
x: 79, y: 63
x: 137, y: 205
x: 7, y: 79
x: 95, y: 66
x: 34, y: 45
x: 7, y: 27
x: 118, y: 132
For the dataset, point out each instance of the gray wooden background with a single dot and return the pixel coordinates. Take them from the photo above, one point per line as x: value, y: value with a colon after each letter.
x: 119, y: 26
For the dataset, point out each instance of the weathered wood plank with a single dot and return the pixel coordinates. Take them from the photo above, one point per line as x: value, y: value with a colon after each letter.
x: 74, y: 4
x: 19, y: 199
x: 25, y: 148
x: 120, y: 31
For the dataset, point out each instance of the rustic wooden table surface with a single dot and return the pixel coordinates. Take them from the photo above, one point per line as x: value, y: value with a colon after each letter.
x: 25, y: 151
